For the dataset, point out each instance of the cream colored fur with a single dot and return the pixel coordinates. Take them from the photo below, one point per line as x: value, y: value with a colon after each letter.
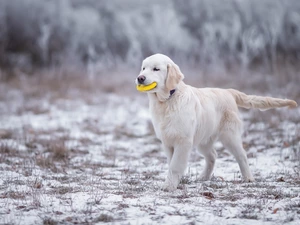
x: 197, y: 117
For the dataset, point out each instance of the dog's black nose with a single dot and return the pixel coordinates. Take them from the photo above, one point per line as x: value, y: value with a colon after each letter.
x: 141, y: 79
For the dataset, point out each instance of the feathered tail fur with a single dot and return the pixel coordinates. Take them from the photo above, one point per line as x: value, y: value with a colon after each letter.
x: 259, y: 102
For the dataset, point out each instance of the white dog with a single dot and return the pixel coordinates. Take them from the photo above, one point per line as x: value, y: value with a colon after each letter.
x: 185, y: 117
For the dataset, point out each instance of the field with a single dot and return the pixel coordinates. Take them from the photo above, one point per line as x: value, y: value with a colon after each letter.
x: 77, y: 150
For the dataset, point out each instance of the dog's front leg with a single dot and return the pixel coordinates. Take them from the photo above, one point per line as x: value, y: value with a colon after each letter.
x: 177, y: 165
x: 169, y: 153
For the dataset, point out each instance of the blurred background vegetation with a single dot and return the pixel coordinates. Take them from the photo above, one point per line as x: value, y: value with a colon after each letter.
x: 96, y: 34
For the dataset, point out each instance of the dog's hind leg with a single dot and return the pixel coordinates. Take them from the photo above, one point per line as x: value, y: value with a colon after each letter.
x: 210, y: 156
x: 231, y: 139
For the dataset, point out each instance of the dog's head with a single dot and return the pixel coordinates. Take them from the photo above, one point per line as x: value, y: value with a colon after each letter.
x: 158, y: 74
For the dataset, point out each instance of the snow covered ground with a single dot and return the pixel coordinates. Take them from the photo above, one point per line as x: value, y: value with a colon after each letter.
x: 74, y: 155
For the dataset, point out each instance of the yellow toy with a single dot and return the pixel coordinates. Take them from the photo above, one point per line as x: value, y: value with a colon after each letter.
x: 141, y: 87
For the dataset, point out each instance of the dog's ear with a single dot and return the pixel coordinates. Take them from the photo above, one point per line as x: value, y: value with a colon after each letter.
x: 174, y: 76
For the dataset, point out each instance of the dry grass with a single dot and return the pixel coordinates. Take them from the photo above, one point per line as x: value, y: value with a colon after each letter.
x: 86, y: 170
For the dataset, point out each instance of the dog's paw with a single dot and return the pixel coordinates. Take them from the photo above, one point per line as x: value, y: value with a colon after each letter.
x: 204, y: 177
x: 168, y: 187
x: 249, y: 179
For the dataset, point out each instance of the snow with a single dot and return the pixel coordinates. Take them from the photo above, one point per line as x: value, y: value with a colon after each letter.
x: 115, y: 167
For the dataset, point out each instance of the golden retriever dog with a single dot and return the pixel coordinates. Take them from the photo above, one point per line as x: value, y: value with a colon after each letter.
x: 185, y: 117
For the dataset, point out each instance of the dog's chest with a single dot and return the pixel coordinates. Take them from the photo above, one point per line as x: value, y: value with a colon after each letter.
x: 168, y: 120
x: 160, y: 113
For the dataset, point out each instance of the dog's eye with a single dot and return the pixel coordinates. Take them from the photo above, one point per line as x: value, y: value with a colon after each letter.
x: 143, y: 68
x: 156, y: 69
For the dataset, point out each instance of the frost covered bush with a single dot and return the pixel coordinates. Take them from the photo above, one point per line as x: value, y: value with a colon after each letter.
x: 56, y: 32
x: 242, y: 31
x: 155, y: 28
x: 100, y: 34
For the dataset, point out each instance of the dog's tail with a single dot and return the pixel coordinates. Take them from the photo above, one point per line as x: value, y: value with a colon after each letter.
x: 259, y: 102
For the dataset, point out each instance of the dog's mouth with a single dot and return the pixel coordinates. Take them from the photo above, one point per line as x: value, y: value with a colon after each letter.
x: 143, y: 88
